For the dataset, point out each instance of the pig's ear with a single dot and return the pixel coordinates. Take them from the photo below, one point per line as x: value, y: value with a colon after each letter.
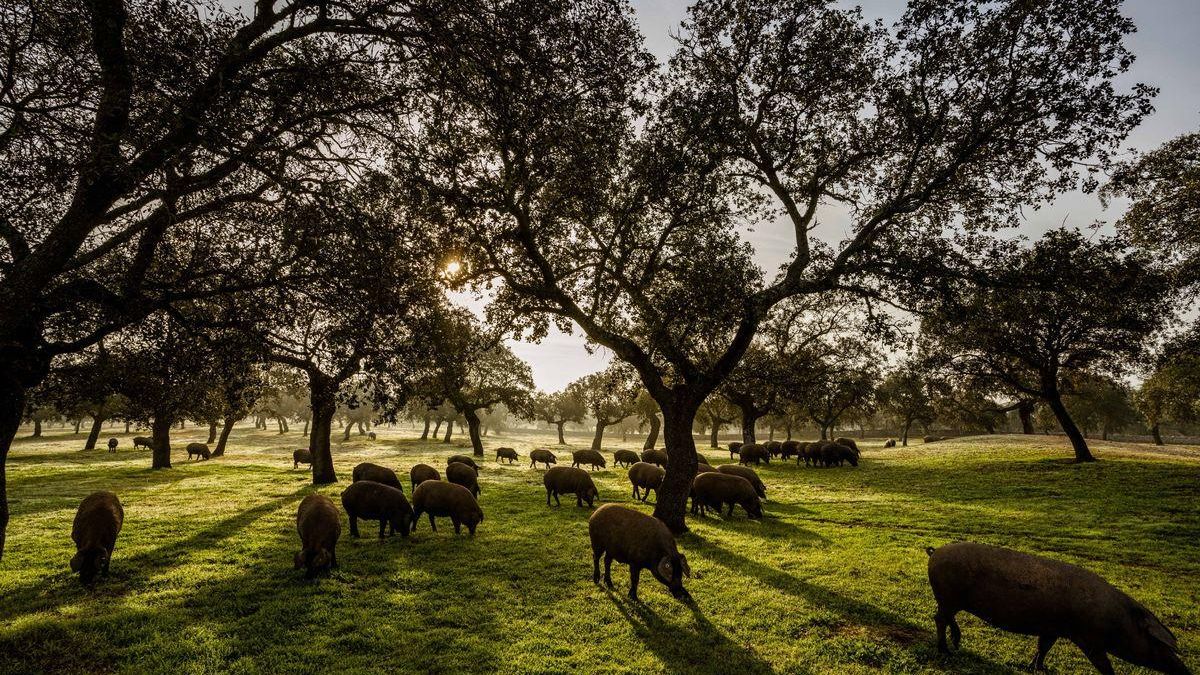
x: 1155, y: 628
x: 664, y: 568
x: 687, y: 569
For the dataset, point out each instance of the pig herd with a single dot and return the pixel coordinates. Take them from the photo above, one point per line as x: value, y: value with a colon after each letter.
x: 1010, y: 590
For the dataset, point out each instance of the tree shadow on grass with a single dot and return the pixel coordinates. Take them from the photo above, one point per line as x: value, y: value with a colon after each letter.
x: 880, y: 622
x: 701, y: 647
x: 132, y: 573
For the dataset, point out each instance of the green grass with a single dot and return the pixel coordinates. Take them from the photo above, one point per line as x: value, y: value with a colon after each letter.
x: 831, y: 581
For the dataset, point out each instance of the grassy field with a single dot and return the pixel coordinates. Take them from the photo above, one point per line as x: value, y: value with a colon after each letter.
x: 831, y: 581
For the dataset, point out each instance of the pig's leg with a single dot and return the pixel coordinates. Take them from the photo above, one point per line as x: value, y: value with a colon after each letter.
x: 1099, y: 659
x: 1045, y: 642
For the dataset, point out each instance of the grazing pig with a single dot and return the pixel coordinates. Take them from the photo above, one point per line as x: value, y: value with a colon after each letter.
x: 804, y: 452
x: 463, y: 459
x: 301, y: 456
x: 421, y: 473
x: 569, y: 480
x: 543, y: 456
x: 625, y: 458
x: 704, y: 468
x: 848, y: 442
x: 747, y: 473
x: 143, y: 442
x: 645, y: 477
x: 507, y: 453
x: 112, y: 444
x: 790, y: 449
x: 591, y: 457
x: 200, y: 450
x: 753, y: 452
x: 371, y: 436
x: 369, y: 500
x: 773, y: 447
x: 734, y: 448
x: 97, y: 523
x: 320, y: 526
x: 1032, y: 595
x: 379, y: 474
x: 835, y: 454
x: 932, y: 439
x: 715, y: 490
x: 701, y: 459
x: 639, y: 540
x: 442, y: 499
x: 889, y: 443
x: 461, y: 474
x: 655, y: 457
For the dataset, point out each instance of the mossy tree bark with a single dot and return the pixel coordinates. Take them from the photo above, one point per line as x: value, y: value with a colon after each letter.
x: 681, y: 464
x: 322, y: 399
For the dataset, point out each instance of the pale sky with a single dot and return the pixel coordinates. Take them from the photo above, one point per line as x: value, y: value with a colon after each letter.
x: 1168, y: 54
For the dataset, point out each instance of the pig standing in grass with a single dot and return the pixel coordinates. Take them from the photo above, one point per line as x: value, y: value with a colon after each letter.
x: 625, y: 458
x: 645, y: 477
x: 375, y: 501
x: 569, y: 480
x: 507, y: 453
x: 200, y: 450
x: 112, y: 444
x: 590, y: 457
x: 639, y: 540
x: 655, y: 457
x: 1031, y: 595
x: 463, y: 475
x: 379, y: 474
x: 320, y: 526
x: 541, y: 456
x: 142, y: 442
x: 463, y: 459
x: 301, y: 456
x: 421, y: 473
x: 442, y: 499
x: 97, y: 523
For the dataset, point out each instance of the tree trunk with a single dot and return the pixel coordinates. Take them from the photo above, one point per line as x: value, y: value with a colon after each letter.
x: 37, y: 428
x: 1054, y: 400
x: 12, y: 404
x: 224, y: 437
x: 212, y: 432
x: 425, y: 431
x: 561, y: 439
x: 361, y: 430
x: 322, y: 399
x: 1157, y: 434
x: 126, y: 426
x: 770, y: 432
x: 652, y: 437
x: 473, y: 432
x: 599, y: 437
x: 672, y: 494
x: 449, y: 431
x: 78, y: 423
x: 94, y: 434
x: 712, y: 437
x: 346, y: 432
x: 824, y: 432
x: 305, y: 432
x: 750, y: 419
x: 160, y: 431
x: 437, y: 428
x: 1025, y: 412
x: 788, y: 428
x: 904, y: 436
